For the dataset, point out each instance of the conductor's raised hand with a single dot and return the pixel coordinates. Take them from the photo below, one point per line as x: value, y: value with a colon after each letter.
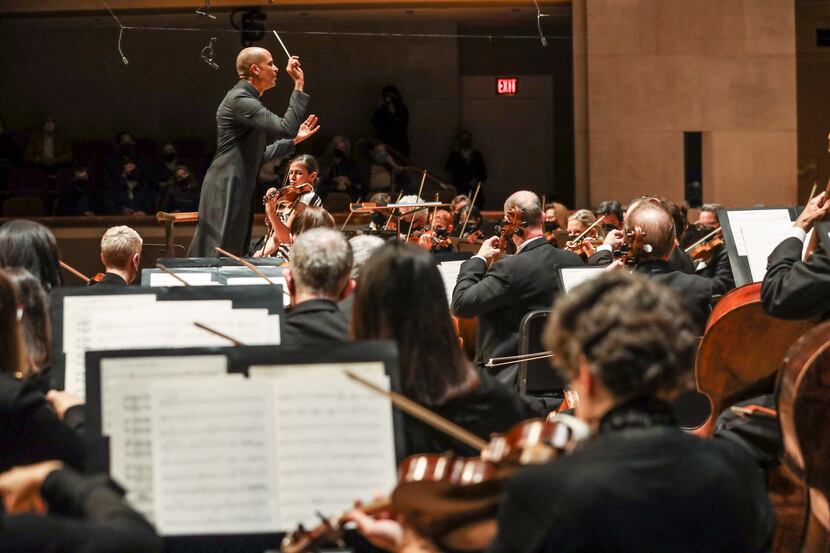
x: 295, y: 72
x: 307, y: 129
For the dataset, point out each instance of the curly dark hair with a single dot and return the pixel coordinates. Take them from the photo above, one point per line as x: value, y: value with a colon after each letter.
x: 633, y: 332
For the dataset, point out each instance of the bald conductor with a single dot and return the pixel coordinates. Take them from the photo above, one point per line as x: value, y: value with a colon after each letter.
x: 226, y: 206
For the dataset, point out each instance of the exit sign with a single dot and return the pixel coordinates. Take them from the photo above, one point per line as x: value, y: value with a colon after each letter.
x: 507, y: 86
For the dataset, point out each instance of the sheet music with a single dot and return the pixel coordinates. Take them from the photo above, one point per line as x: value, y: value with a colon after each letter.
x: 169, y: 324
x: 574, y: 276
x: 257, y: 281
x: 77, y: 314
x: 759, y: 243
x: 140, y: 370
x: 449, y: 273
x: 760, y: 223
x: 214, y: 457
x: 194, y: 279
x: 334, y: 438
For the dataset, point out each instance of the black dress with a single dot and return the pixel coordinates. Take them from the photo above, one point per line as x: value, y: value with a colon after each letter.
x: 491, y: 407
x: 30, y: 431
x: 641, y: 485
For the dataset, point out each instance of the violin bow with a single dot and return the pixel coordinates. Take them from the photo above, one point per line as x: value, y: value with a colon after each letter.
x: 392, y: 213
x: 469, y: 210
x: 703, y: 240
x: 581, y: 237
x: 510, y: 359
x: 74, y: 271
x: 423, y: 414
x: 215, y: 332
x: 172, y: 274
x: 250, y: 266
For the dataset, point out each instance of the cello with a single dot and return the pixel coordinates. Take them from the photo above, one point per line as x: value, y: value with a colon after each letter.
x: 803, y: 401
x: 732, y: 363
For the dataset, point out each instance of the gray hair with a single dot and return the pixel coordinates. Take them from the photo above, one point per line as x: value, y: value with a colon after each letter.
x: 363, y: 246
x: 118, y: 245
x: 321, y: 262
x: 529, y: 204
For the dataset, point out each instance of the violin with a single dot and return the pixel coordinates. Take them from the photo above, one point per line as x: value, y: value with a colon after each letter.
x: 287, y: 194
x: 703, y: 249
x: 89, y: 281
x: 454, y: 500
x: 632, y: 246
x: 435, y: 243
x: 576, y: 245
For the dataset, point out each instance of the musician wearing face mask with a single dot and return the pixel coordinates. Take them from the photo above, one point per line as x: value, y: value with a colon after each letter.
x: 612, y: 210
x: 436, y: 239
x: 513, y: 286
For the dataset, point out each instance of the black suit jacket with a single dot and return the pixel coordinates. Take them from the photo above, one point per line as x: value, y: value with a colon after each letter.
x: 695, y: 291
x: 85, y: 514
x: 111, y: 279
x: 639, y: 490
x: 314, y: 321
x: 513, y: 287
x: 794, y: 289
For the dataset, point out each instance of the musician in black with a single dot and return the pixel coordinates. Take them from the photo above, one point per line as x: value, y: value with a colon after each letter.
x: 652, y: 259
x: 513, y: 286
x: 401, y: 297
x: 796, y: 289
x: 639, y: 483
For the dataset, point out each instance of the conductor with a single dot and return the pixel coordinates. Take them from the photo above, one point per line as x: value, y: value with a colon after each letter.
x: 226, y: 206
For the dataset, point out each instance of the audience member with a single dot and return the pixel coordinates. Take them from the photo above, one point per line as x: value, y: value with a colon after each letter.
x: 131, y: 193
x: 342, y: 173
x: 124, y: 152
x: 401, y: 297
x: 85, y: 513
x: 466, y: 166
x: 121, y: 256
x: 382, y: 170
x: 32, y: 246
x: 80, y: 197
x: 513, y: 286
x: 319, y: 275
x: 169, y: 166
x: 391, y: 120
x: 182, y: 194
x: 48, y: 148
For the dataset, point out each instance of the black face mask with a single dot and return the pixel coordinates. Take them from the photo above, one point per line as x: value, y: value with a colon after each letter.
x: 184, y: 181
x: 126, y: 149
x: 441, y: 232
x: 131, y: 175
x: 608, y: 228
x: 551, y: 226
x: 404, y: 226
x: 169, y: 156
x: 81, y: 181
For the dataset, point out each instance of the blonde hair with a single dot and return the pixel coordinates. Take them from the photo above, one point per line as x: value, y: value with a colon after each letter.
x: 118, y: 246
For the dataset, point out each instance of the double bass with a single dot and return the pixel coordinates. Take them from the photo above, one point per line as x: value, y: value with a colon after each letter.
x: 803, y: 401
